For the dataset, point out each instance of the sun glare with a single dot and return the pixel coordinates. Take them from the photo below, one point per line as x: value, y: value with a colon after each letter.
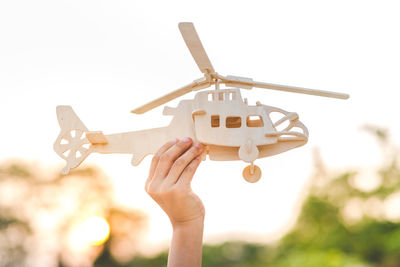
x: 92, y: 231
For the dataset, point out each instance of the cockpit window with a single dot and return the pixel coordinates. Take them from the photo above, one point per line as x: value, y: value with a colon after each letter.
x: 214, y: 120
x: 254, y: 121
x: 233, y: 122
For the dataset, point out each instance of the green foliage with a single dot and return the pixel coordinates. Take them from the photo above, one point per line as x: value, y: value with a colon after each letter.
x: 229, y: 254
x: 41, y: 210
x: 106, y: 260
x: 235, y: 254
x: 323, y: 234
x: 14, y: 170
x: 340, y: 224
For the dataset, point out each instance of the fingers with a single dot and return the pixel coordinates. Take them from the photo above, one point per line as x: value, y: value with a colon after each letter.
x: 174, y: 161
x: 156, y: 158
x: 168, y: 158
x: 188, y: 173
x: 182, y: 162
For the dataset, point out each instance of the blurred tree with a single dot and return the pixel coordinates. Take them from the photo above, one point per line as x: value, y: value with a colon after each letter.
x: 51, y: 220
x: 350, y: 219
x: 347, y: 219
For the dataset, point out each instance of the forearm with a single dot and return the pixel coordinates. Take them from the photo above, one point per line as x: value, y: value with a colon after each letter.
x: 186, y: 245
x: 171, y: 173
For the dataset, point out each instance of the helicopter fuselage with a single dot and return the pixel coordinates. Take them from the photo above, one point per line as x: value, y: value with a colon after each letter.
x: 227, y: 126
x: 223, y: 122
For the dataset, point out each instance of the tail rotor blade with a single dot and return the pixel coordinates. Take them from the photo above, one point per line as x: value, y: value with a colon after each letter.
x: 195, y: 46
x: 70, y: 123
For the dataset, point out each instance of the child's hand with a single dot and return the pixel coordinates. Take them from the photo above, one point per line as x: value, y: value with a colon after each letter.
x: 171, y: 173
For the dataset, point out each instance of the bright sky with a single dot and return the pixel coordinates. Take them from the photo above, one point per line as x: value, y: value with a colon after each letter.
x: 105, y: 58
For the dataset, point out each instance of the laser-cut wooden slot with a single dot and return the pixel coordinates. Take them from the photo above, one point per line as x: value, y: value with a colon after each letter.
x: 228, y: 127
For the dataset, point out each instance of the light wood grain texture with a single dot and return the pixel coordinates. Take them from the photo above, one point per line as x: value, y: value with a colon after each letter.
x: 219, y: 119
x: 211, y: 77
x: 195, y: 85
x: 71, y: 144
x: 228, y: 127
x: 195, y: 46
x: 96, y: 138
x: 248, y: 83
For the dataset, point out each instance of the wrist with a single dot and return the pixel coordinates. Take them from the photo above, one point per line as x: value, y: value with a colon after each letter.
x: 186, y: 244
x: 197, y: 223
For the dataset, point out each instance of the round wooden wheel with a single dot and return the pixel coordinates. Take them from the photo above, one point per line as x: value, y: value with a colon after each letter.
x: 252, y: 176
x: 248, y: 152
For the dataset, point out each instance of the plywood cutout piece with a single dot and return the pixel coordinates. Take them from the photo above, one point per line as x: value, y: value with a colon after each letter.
x: 228, y: 127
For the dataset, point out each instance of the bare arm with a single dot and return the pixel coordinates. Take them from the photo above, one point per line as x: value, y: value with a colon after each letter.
x: 170, y: 176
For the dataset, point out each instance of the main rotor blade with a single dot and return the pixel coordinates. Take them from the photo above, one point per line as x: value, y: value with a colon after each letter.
x: 193, y: 42
x: 195, y: 85
x: 246, y: 82
x: 300, y: 90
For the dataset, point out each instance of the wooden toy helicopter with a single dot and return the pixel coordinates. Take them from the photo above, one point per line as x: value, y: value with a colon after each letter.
x: 228, y: 127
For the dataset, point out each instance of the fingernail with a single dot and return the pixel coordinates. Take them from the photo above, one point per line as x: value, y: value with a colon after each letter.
x: 199, y: 146
x: 187, y: 140
x: 174, y: 140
